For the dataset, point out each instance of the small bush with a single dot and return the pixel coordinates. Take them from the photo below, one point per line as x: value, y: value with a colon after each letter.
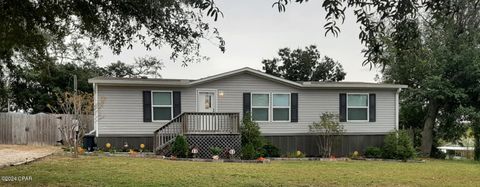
x: 252, y: 141
x: 180, y: 147
x: 269, y: 150
x: 398, y: 145
x: 216, y: 150
x: 355, y: 155
x: 295, y: 154
x: 373, y: 152
x: 249, y: 152
x: 250, y: 132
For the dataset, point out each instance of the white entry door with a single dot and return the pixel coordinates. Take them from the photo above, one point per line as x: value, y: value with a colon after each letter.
x: 206, y: 102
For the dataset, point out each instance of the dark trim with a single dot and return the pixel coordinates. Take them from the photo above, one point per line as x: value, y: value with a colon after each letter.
x: 294, y: 107
x: 344, y: 146
x: 177, y: 103
x: 372, y: 108
x: 147, y: 106
x: 310, y: 134
x: 246, y: 103
x: 343, y: 107
x: 119, y: 142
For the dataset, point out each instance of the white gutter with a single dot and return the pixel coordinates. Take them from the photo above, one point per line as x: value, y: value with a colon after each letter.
x: 397, y: 109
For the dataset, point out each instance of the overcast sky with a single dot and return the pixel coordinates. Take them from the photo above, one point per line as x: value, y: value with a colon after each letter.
x: 253, y: 31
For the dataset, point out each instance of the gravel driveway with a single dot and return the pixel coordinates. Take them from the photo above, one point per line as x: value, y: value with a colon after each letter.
x: 17, y: 154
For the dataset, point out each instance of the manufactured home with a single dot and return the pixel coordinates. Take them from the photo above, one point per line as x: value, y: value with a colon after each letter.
x: 209, y: 111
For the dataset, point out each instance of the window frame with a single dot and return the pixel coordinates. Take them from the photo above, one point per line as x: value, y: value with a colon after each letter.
x: 289, y: 106
x: 267, y: 107
x: 366, y: 107
x: 153, y: 105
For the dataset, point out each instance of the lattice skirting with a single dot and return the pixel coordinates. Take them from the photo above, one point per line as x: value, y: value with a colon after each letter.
x: 224, y: 141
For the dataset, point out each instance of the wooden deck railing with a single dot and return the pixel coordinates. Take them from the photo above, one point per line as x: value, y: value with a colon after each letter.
x: 196, y: 123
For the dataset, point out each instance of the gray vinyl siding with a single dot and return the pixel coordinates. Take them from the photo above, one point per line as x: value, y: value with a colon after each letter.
x: 122, y: 113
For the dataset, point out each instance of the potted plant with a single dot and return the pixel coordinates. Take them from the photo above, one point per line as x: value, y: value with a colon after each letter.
x: 215, y: 152
x: 109, y: 149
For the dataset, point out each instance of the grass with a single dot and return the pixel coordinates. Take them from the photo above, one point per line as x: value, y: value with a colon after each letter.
x: 123, y: 171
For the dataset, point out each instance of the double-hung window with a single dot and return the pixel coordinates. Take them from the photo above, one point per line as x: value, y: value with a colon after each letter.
x: 260, y: 106
x: 162, y: 105
x: 281, y: 107
x: 357, y: 107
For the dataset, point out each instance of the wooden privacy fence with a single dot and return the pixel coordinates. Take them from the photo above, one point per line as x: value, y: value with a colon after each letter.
x: 38, y: 129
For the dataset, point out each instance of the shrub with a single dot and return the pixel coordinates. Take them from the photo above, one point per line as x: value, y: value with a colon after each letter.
x: 252, y: 142
x: 328, y: 130
x: 295, y: 154
x: 398, y: 145
x: 355, y: 155
x: 269, y: 150
x: 180, y: 147
x: 216, y: 150
x: 248, y: 152
x: 251, y: 132
x: 373, y: 152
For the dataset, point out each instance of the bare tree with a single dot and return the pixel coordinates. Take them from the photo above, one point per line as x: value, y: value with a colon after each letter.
x: 81, y: 106
x: 328, y: 131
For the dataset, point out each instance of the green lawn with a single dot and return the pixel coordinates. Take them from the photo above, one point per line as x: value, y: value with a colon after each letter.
x: 121, y: 171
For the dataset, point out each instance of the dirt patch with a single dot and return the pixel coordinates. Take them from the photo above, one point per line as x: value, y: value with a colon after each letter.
x: 17, y: 154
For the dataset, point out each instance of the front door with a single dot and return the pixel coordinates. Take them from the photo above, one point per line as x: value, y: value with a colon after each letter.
x: 206, y: 102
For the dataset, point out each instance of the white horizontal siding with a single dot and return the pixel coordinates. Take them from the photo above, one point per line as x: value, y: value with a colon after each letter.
x: 122, y: 112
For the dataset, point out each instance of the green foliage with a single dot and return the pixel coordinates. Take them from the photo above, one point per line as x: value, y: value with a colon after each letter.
x: 269, y: 150
x: 476, y: 135
x: 175, y: 24
x: 253, y: 144
x: 37, y: 83
x: 304, y: 65
x: 438, y: 58
x: 144, y: 66
x: 377, y: 18
x: 398, y: 145
x: 250, y: 132
x: 329, y: 131
x: 180, y: 147
x: 373, y: 152
x: 248, y: 152
x: 355, y: 155
x: 251, y: 139
x: 216, y: 150
x: 295, y: 154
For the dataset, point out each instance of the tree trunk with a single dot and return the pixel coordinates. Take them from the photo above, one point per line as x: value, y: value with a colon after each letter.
x: 427, y: 133
x: 476, y: 136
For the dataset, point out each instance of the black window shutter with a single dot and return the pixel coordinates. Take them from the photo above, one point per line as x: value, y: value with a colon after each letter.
x: 294, y: 107
x: 372, y: 107
x: 177, y: 103
x: 147, y: 106
x: 246, y: 103
x: 343, y: 107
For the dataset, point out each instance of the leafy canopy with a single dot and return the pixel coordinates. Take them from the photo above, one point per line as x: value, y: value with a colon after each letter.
x: 375, y: 18
x: 30, y: 25
x: 440, y: 62
x: 304, y: 65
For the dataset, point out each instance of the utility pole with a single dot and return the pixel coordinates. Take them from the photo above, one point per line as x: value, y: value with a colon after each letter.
x: 75, y: 118
x: 8, y: 95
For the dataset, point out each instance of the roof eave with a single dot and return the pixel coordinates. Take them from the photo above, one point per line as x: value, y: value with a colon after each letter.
x: 355, y: 86
x: 139, y: 83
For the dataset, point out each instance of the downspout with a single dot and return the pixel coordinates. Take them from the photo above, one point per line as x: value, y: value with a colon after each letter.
x: 397, y: 109
x: 95, y: 109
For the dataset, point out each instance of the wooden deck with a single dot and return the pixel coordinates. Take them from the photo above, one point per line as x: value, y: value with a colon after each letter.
x: 196, y: 123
